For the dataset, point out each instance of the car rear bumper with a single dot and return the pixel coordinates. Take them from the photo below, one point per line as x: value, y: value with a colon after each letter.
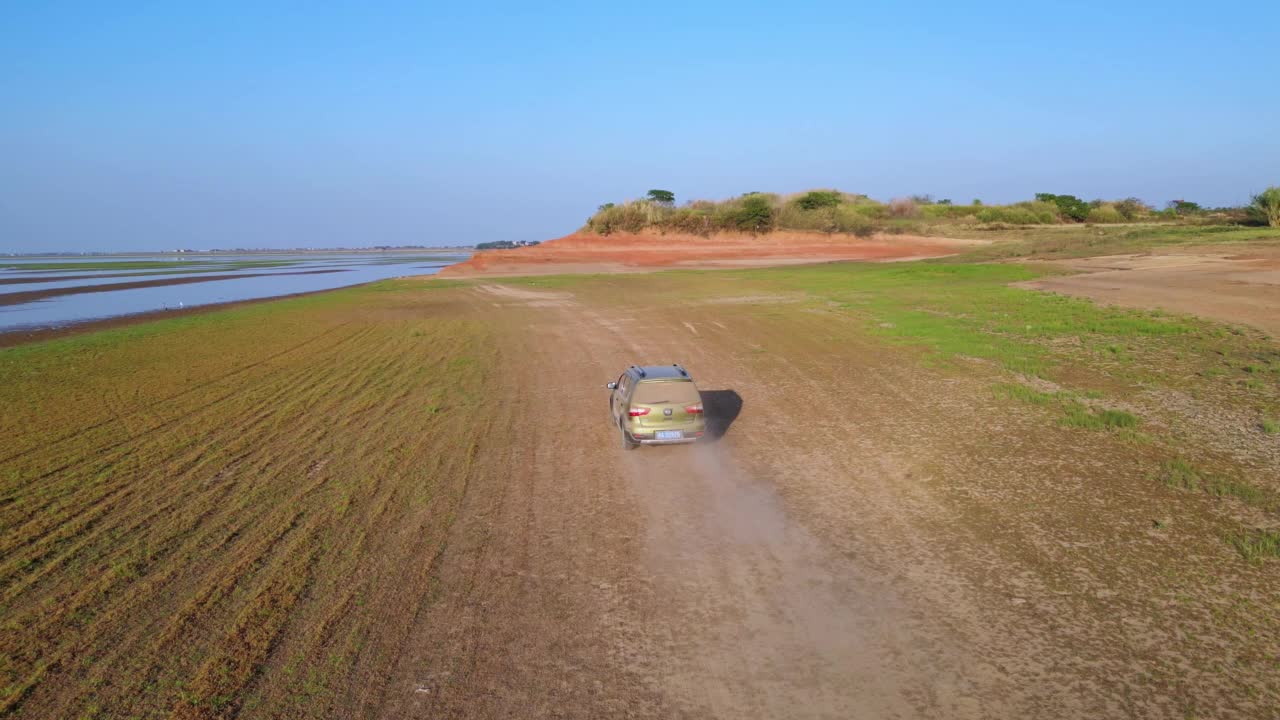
x: 688, y: 437
x: 681, y: 441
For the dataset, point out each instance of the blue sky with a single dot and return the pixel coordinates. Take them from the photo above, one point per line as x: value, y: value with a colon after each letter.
x: 154, y: 125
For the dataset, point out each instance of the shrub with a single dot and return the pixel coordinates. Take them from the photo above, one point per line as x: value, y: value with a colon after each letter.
x: 1132, y: 208
x: 873, y: 211
x: 1034, y: 213
x: 792, y: 217
x: 853, y: 219
x: 861, y: 228
x: 1184, y: 207
x: 903, y: 207
x: 949, y: 211
x: 1069, y: 206
x: 693, y: 220
x: 1265, y: 207
x: 628, y: 217
x: 753, y: 214
x: 774, y: 200
x: 816, y: 199
x: 834, y: 211
x: 1106, y: 213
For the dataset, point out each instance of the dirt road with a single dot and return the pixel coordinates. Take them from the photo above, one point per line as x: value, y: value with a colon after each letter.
x: 665, y: 580
x: 808, y: 563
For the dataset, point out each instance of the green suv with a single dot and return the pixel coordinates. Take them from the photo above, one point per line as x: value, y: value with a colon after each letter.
x: 656, y: 405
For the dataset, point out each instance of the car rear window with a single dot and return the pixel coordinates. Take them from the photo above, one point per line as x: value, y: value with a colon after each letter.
x: 675, y: 391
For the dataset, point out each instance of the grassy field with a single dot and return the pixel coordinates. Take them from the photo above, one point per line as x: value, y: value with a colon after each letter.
x: 240, y: 513
x: 1060, y: 242
x: 1088, y: 366
x: 180, y: 497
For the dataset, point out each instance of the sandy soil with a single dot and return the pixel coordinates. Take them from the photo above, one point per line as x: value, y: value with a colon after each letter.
x: 636, y: 252
x: 1234, y: 287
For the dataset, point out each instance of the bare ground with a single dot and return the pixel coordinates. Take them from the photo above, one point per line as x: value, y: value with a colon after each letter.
x: 862, y: 542
x: 586, y: 252
x: 1235, y: 287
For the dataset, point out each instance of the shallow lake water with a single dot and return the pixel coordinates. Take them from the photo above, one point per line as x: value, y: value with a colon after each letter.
x: 275, y: 275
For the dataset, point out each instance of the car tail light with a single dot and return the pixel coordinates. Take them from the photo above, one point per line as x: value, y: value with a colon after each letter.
x: 637, y: 412
x: 694, y: 409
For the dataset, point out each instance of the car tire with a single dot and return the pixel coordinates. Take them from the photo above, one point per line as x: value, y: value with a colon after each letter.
x: 627, y: 443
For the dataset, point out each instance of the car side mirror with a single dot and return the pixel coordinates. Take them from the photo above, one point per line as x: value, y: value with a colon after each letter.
x: 612, y: 386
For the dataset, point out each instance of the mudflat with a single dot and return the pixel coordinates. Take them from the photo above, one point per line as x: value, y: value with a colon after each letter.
x: 18, y: 298
x: 927, y: 494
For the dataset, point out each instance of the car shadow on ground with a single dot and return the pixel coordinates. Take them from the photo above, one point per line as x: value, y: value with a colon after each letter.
x: 722, y: 408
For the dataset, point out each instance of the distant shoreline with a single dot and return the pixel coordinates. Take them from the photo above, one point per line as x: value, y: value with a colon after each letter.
x: 215, y: 253
x: 15, y: 338
x: 21, y: 297
x: 14, y: 291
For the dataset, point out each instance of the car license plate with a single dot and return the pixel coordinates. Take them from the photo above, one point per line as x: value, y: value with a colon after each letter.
x: 670, y: 435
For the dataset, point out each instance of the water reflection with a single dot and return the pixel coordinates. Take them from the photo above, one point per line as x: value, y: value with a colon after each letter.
x: 270, y: 281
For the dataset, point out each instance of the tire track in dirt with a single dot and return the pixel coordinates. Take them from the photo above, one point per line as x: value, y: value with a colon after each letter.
x: 717, y: 603
x: 784, y: 625
x: 530, y: 593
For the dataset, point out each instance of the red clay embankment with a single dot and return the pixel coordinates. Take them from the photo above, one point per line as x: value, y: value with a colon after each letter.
x: 636, y: 252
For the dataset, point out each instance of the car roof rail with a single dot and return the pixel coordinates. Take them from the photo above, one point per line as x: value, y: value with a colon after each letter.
x: 639, y: 370
x: 682, y: 370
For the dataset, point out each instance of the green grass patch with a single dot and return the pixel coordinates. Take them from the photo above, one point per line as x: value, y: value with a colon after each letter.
x: 1180, y: 474
x: 970, y: 310
x: 1074, y: 412
x: 1057, y: 242
x: 1243, y: 491
x: 1016, y: 391
x: 1270, y: 426
x: 1256, y: 545
x: 1080, y: 416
